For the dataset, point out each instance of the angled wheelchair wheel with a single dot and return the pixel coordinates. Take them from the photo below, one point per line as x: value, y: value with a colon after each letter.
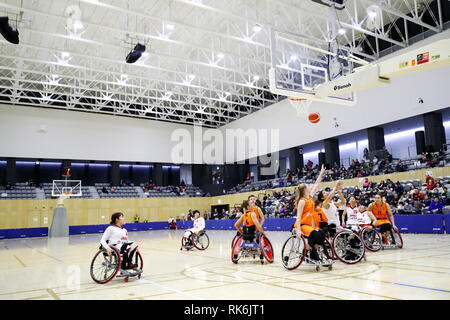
x: 201, y: 241
x: 348, y: 247
x: 104, y: 267
x: 293, y: 252
x: 137, y: 260
x: 236, y: 251
x: 372, y: 239
x: 234, y: 239
x: 186, y: 243
x: 397, y: 237
x: 266, y: 248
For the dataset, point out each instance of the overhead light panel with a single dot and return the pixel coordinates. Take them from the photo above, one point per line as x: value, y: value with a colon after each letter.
x: 170, y: 26
x: 135, y: 54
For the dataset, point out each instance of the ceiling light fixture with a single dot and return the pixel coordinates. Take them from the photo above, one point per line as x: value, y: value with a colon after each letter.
x: 257, y: 28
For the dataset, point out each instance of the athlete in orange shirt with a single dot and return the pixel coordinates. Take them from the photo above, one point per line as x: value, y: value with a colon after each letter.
x: 305, y: 224
x: 251, y: 221
x: 384, y: 217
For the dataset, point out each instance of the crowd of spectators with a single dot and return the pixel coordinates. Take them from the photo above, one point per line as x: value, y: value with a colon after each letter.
x: 357, y: 169
x: 431, y: 197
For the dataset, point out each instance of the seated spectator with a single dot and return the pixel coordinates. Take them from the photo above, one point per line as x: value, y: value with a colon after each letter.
x: 104, y: 190
x: 435, y: 206
x: 445, y: 200
x: 434, y: 160
x: 445, y: 191
x: 418, y: 207
x: 409, y: 208
x: 113, y: 189
x: 366, y: 183
x: 172, y: 223
x: 417, y: 195
x: 429, y: 180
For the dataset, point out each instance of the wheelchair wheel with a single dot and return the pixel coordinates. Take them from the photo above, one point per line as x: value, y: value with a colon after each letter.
x: 234, y: 239
x: 372, y: 239
x: 266, y: 248
x: 398, y: 239
x: 236, y: 251
x: 104, y: 267
x: 184, y: 242
x: 201, y: 241
x: 137, y: 260
x: 348, y: 247
x: 293, y: 252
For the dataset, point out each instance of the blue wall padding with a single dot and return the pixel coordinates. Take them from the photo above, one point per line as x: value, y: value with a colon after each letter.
x: 427, y: 223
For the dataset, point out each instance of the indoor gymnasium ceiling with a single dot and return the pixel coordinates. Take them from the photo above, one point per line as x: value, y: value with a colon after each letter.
x: 207, y: 60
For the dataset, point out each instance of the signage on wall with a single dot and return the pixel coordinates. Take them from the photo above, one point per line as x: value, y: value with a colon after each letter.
x: 403, y: 64
x: 423, y: 58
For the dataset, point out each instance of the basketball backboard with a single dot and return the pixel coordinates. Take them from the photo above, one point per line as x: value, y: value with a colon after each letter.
x: 299, y: 64
x: 66, y: 188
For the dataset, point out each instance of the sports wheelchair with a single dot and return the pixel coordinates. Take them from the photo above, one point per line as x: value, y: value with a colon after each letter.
x: 106, y: 267
x: 198, y: 240
x: 346, y: 245
x: 294, y: 252
x: 251, y: 244
x: 373, y: 240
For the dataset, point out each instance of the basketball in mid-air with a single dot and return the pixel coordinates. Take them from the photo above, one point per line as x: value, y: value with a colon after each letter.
x: 314, y: 117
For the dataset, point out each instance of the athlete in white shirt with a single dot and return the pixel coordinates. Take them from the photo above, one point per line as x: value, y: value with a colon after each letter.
x: 199, y: 225
x: 365, y: 217
x: 351, y: 214
x: 116, y: 236
x: 330, y: 207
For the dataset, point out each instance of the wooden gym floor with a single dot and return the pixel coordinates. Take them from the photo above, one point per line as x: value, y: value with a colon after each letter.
x: 42, y: 268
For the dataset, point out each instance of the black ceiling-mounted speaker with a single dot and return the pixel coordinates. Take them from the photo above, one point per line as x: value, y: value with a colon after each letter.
x: 136, y: 53
x: 338, y: 4
x: 7, y: 32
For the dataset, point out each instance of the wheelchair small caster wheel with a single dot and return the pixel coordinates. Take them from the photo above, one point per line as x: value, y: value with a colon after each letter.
x: 262, y: 261
x: 125, y: 279
x: 330, y: 267
x: 317, y: 268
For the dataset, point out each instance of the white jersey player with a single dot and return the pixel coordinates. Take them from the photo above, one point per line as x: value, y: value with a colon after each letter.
x: 351, y: 214
x: 329, y: 206
x: 117, y: 236
x: 199, y: 225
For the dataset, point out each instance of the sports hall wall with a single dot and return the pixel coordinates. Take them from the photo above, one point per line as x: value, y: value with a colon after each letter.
x: 27, y: 132
x: 15, y: 214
